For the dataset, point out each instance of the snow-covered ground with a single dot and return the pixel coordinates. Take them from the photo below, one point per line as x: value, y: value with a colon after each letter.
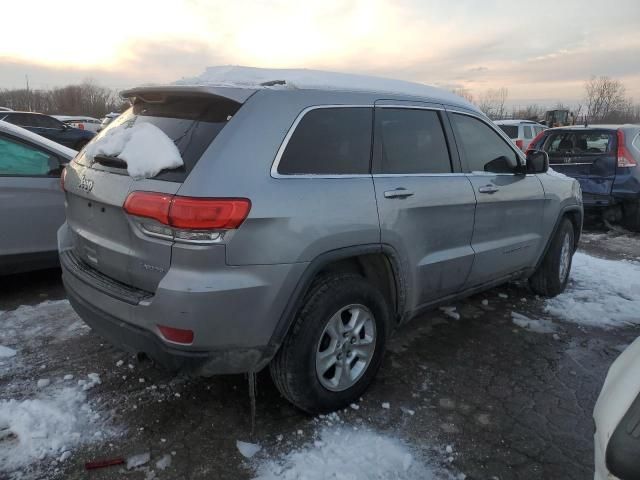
x: 601, y: 293
x: 42, y: 418
x: 31, y: 327
x: 51, y: 424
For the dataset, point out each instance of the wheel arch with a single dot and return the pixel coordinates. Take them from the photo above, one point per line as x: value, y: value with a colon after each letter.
x: 377, y: 263
x: 574, y: 214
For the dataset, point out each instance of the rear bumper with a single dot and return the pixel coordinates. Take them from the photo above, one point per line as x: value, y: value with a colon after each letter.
x: 134, y: 339
x: 233, y: 312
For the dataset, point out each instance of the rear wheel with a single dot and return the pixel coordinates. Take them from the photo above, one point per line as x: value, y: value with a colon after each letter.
x: 551, y: 277
x: 631, y: 218
x: 335, y: 346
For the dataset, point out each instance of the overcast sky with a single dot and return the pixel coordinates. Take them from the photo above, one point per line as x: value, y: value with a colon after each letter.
x: 542, y: 51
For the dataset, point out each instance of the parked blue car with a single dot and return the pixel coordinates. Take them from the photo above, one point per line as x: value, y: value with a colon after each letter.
x: 605, y: 160
x: 50, y: 128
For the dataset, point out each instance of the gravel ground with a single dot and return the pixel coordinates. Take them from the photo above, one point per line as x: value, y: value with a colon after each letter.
x: 478, y: 396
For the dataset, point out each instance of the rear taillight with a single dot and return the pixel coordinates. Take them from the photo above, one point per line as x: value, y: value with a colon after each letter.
x: 188, y: 218
x: 63, y: 175
x: 81, y: 126
x: 625, y: 159
x: 176, y: 335
x: 520, y: 144
x: 534, y: 142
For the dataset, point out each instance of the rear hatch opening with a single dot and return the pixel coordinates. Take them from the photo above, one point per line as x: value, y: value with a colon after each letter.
x: 588, y: 155
x: 133, y: 246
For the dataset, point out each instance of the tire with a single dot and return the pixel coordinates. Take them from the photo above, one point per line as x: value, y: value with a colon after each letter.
x: 551, y: 278
x: 631, y: 218
x: 334, y: 299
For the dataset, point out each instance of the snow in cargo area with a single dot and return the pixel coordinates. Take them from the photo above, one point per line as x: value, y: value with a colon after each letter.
x: 347, y: 453
x: 296, y: 78
x: 600, y: 293
x: 146, y: 149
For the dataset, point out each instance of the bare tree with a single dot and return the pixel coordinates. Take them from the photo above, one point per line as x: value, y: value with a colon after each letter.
x: 492, y: 103
x: 605, y: 98
x: 464, y: 93
x: 84, y: 99
x: 528, y: 112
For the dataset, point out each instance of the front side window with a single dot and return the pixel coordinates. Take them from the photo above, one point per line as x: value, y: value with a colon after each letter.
x: 17, y: 158
x: 528, y: 134
x: 410, y: 141
x: 483, y: 149
x: 330, y: 141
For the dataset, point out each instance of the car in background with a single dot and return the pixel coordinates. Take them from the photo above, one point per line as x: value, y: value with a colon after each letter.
x: 604, y: 159
x: 83, y: 123
x: 31, y: 201
x: 107, y: 119
x: 50, y: 128
x: 617, y: 419
x: 521, y: 132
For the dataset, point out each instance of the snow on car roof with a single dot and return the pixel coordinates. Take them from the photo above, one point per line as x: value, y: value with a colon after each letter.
x: 65, y: 118
x: 514, y: 122
x: 305, y: 79
x: 35, y: 138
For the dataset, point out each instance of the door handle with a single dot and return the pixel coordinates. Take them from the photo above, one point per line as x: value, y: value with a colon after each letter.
x: 488, y: 189
x: 398, y: 193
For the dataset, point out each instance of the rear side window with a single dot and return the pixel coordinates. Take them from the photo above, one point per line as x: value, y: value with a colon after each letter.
x: 569, y: 143
x: 192, y: 122
x: 526, y: 129
x: 510, y: 130
x: 481, y: 145
x: 17, y: 158
x: 636, y: 142
x: 410, y: 141
x: 330, y: 141
x: 22, y: 119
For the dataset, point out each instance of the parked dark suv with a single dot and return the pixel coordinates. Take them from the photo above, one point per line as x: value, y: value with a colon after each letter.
x: 50, y: 128
x: 303, y: 227
x: 604, y: 159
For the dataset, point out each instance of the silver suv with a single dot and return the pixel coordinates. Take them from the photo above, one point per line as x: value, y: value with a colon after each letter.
x: 303, y: 227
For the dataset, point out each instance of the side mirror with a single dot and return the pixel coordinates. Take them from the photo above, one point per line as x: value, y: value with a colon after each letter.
x: 501, y: 165
x: 537, y: 161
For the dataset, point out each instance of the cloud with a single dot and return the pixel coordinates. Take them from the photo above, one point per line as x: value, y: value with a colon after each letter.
x: 467, y: 44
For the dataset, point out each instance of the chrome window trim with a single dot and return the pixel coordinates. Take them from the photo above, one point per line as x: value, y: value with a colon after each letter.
x: 287, y: 138
x: 291, y: 131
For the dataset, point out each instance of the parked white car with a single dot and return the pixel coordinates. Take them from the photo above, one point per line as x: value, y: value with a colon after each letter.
x: 617, y: 419
x: 521, y: 132
x: 83, y: 123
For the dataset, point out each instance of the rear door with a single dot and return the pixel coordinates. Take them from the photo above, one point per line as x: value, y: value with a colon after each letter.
x: 31, y: 202
x: 509, y: 211
x: 587, y: 155
x: 104, y: 236
x: 426, y: 205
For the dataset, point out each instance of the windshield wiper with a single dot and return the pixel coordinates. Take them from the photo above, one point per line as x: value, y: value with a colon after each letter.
x: 113, y: 162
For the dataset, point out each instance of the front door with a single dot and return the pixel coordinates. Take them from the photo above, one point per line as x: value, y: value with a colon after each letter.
x: 509, y: 211
x: 426, y: 205
x: 31, y: 201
